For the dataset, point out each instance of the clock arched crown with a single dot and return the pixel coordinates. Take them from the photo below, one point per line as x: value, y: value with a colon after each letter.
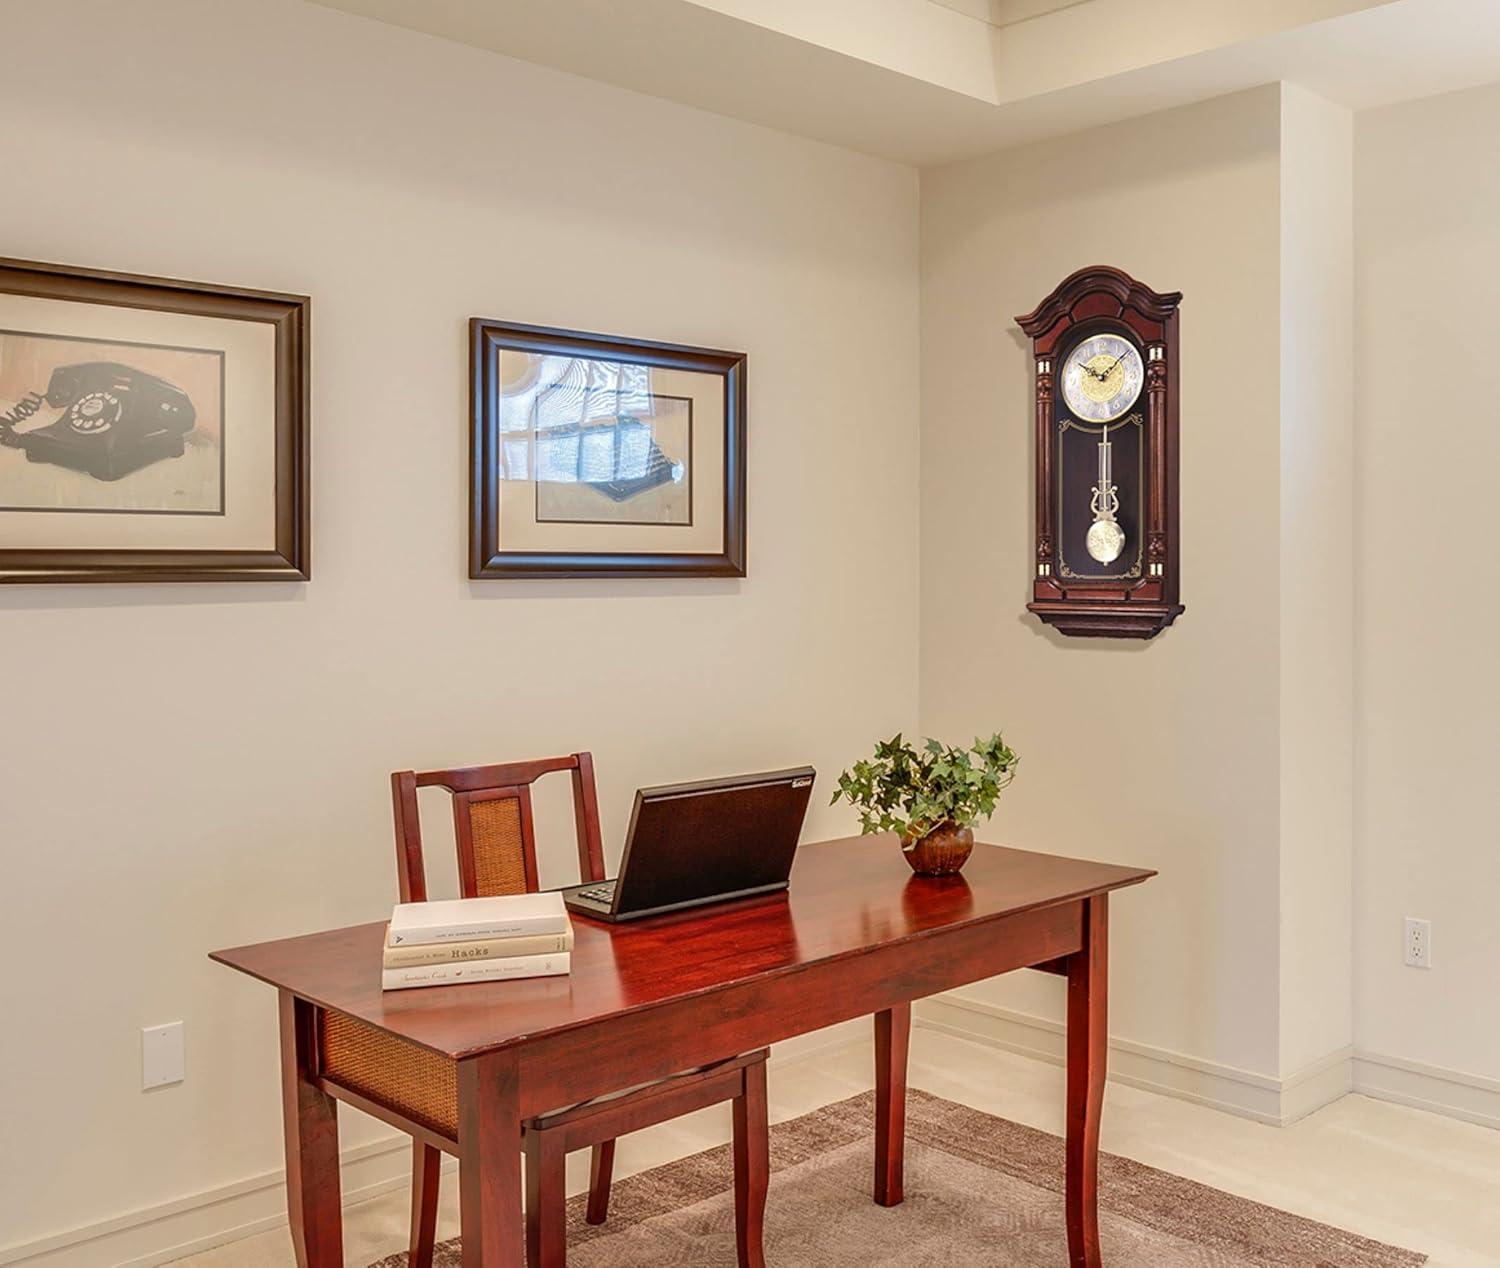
x: 1092, y: 284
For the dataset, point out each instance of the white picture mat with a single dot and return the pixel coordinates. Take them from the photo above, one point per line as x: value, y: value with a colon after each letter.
x: 520, y: 531
x: 249, y: 433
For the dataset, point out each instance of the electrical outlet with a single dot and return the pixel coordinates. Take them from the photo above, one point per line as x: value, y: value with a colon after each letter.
x: 161, y: 1055
x: 1418, y: 943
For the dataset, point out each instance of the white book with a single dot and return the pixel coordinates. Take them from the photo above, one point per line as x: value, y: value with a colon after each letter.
x: 484, y: 949
x: 512, y: 966
x: 471, y: 919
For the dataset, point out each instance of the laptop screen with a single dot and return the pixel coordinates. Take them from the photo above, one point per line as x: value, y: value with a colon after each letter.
x: 689, y: 842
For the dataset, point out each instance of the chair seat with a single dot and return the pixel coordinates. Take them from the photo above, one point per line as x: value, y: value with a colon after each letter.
x: 612, y: 1102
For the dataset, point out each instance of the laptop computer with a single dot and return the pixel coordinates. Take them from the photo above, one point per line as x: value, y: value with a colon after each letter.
x: 706, y: 842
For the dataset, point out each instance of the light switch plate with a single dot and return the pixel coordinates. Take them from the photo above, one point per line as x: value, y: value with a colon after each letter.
x: 161, y: 1055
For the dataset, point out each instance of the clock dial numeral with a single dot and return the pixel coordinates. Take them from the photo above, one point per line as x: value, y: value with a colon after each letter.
x: 1102, y: 378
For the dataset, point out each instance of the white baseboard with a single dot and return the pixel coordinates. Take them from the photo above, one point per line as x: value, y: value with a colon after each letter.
x: 1470, y: 1097
x: 1452, y: 1093
x: 1316, y: 1085
x: 200, y: 1221
x: 1243, y: 1092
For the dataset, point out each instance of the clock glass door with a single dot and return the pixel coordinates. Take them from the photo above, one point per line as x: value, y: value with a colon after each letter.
x: 1100, y: 454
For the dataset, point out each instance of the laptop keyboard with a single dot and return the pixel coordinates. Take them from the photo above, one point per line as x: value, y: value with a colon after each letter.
x: 604, y: 893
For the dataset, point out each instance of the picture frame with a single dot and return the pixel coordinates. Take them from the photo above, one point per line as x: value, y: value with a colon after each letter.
x: 151, y: 430
x: 595, y: 455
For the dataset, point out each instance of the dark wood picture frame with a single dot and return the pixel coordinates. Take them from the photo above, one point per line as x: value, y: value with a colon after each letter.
x: 1092, y: 301
x: 290, y: 316
x: 486, y: 558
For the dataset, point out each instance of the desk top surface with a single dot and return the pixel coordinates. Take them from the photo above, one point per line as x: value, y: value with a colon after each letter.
x: 847, y: 897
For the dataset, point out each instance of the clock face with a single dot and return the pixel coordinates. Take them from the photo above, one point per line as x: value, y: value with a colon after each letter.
x: 1102, y: 378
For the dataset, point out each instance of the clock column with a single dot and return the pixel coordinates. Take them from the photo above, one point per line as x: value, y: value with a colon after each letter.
x: 1156, y: 479
x: 1044, y: 467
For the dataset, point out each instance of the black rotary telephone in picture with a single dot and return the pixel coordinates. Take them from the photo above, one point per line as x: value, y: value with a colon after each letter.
x: 115, y: 420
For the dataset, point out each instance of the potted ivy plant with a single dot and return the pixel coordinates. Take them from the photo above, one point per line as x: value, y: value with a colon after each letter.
x: 929, y: 797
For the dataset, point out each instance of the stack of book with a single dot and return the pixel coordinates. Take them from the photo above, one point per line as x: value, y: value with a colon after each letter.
x: 477, y: 940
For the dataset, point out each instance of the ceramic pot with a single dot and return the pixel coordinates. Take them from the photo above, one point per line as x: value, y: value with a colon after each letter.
x: 942, y: 852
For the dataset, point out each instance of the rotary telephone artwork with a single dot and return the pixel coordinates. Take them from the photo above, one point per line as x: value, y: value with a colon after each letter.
x: 114, y: 420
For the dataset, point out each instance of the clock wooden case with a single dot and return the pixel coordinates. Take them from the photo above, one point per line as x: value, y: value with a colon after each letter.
x: 1107, y: 555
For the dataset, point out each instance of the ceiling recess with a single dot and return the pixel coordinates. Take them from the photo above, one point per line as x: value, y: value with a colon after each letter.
x: 929, y: 82
x: 1007, y: 12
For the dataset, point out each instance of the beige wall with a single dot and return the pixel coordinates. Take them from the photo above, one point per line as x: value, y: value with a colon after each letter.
x: 1302, y: 754
x: 1428, y: 266
x: 187, y: 768
x: 1160, y: 753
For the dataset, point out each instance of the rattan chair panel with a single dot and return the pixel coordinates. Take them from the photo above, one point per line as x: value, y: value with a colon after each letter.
x: 390, y: 1071
x: 499, y: 846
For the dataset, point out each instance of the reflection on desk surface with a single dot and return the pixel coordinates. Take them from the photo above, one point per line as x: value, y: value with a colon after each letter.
x: 847, y: 898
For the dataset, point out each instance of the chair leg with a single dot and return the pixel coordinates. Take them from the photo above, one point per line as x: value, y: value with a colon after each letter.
x: 752, y: 1167
x: 546, y: 1200
x: 426, y: 1167
x: 601, y: 1172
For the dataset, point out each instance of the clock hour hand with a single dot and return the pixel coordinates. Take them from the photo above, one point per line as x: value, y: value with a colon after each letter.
x: 1103, y: 375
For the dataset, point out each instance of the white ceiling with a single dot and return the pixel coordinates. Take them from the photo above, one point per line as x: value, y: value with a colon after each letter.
x: 932, y: 81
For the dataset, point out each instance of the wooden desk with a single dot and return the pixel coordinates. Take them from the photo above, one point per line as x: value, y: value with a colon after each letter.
x: 858, y: 934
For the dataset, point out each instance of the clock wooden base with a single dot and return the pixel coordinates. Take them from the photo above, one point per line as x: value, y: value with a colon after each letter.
x: 1106, y: 619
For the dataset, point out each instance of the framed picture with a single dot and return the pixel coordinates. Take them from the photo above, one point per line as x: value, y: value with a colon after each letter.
x: 598, y: 456
x: 150, y: 430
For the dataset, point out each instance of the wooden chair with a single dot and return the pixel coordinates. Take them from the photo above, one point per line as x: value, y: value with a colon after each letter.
x: 496, y: 841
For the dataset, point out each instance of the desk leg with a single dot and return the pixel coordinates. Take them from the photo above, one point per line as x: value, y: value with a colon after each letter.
x: 311, y: 1125
x: 489, y: 1162
x: 892, y: 1044
x: 1088, y: 1038
x: 752, y: 1167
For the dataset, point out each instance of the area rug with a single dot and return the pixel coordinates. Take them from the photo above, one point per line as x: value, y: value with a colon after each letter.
x: 979, y: 1191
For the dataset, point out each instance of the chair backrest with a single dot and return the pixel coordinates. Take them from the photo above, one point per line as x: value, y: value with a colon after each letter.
x: 493, y: 826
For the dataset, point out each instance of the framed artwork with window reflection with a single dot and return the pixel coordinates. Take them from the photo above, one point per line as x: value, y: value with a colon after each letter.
x: 595, y: 455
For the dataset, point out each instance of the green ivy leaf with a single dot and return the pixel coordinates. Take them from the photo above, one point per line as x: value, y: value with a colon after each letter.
x: 909, y: 791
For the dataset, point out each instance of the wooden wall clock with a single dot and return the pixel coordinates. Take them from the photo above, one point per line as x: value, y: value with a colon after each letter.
x: 1107, y: 554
